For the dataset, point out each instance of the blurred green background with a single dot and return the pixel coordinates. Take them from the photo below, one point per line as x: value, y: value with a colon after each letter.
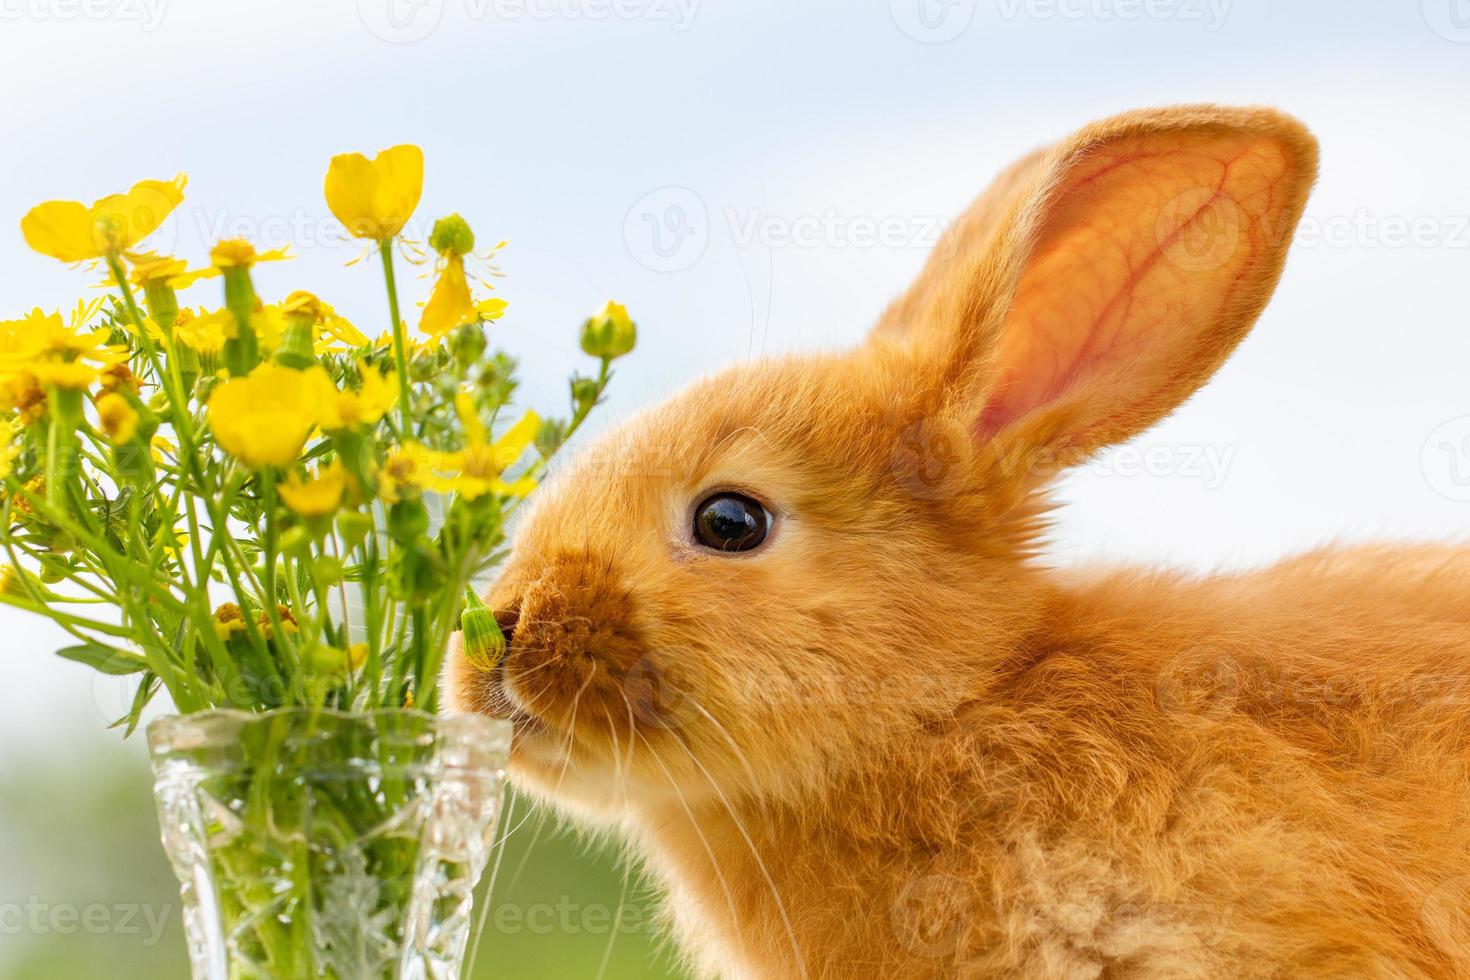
x: 85, y: 889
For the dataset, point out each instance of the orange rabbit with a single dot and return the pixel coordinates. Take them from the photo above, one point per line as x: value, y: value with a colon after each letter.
x: 788, y: 633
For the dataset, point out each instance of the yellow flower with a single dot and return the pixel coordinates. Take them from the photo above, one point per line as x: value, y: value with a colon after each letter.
x: 12, y: 582
x: 9, y: 449
x: 175, y: 273
x: 160, y: 448
x: 71, y: 375
x: 375, y: 198
x: 72, y: 232
x: 338, y: 334
x: 450, y: 303
x: 233, y: 252
x: 412, y: 344
x: 288, y: 622
x: 476, y: 469
x: 364, y: 407
x: 203, y: 332
x: 119, y: 419
x: 334, y: 331
x: 264, y: 418
x: 39, y: 333
x: 43, y: 348
x: 23, y: 393
x: 407, y: 471
x: 357, y: 655
x: 611, y: 333
x: 228, y: 620
x: 318, y: 496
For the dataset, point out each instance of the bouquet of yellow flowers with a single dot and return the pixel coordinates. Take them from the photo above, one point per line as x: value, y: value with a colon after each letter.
x: 285, y: 516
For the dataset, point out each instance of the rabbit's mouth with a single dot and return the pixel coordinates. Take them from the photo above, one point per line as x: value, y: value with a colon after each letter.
x: 497, y: 701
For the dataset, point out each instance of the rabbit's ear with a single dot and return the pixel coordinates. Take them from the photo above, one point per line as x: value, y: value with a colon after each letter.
x: 1101, y: 283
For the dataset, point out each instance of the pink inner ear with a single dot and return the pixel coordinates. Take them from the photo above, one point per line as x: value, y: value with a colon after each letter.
x: 1135, y: 267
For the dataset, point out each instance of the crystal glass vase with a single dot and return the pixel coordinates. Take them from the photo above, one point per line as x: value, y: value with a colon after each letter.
x: 314, y: 843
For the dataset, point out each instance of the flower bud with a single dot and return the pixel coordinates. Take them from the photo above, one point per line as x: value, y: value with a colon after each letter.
x: 609, y: 334
x: 484, y: 642
x: 297, y: 542
x: 16, y: 581
x: 162, y: 303
x: 408, y: 520
x: 234, y: 259
x: 584, y: 394
x: 354, y: 527
x: 468, y: 344
x: 553, y: 433
x: 298, y: 341
x: 328, y: 568
x: 452, y: 234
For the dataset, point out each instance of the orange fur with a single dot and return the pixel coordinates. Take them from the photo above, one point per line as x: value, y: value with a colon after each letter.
x: 893, y: 743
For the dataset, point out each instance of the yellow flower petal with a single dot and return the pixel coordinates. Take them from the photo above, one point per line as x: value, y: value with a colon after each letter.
x: 318, y: 496
x: 239, y: 252
x: 119, y: 419
x: 508, y: 448
x: 265, y: 417
x: 9, y: 448
x: 72, y: 232
x: 450, y: 303
x: 76, y: 375
x: 60, y: 229
x: 365, y: 407
x: 492, y: 308
x: 175, y: 273
x: 375, y: 198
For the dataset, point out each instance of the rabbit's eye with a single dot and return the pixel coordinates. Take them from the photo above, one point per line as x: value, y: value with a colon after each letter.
x: 731, y: 522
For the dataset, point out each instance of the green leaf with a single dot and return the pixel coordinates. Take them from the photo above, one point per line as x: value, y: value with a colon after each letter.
x: 147, y: 687
x: 105, y: 659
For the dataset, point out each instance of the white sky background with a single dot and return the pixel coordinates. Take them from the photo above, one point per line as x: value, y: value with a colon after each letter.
x: 568, y: 132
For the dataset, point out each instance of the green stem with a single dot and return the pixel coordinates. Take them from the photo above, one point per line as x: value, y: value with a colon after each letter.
x: 400, y: 343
